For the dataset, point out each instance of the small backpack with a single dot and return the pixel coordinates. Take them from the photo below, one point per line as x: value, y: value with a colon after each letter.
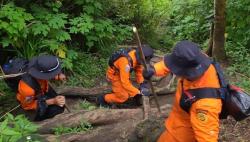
x: 236, y: 102
x: 120, y: 53
x: 15, y: 66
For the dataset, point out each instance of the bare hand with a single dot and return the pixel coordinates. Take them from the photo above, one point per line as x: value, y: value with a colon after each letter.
x: 62, y: 77
x: 60, y: 101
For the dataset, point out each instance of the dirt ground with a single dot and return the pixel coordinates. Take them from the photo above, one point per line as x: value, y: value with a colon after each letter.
x: 230, y: 130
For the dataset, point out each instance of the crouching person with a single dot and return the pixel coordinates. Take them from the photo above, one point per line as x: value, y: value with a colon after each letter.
x: 35, y: 94
x: 121, y: 65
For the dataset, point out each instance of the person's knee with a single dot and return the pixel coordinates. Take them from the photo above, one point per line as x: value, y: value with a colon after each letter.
x: 112, y: 98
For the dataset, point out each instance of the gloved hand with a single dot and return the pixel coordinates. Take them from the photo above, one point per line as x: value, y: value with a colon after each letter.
x: 144, y: 84
x: 147, y: 74
x: 41, y: 105
x: 144, y: 89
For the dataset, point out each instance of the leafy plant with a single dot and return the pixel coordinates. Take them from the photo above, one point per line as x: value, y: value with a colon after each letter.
x: 149, y: 16
x: 83, y: 127
x: 13, y: 128
x: 86, y: 105
x: 87, y: 69
x: 7, y: 98
x: 98, y: 32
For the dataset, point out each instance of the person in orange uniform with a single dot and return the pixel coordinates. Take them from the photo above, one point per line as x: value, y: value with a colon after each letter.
x: 34, y: 93
x: 118, y: 73
x: 196, y: 109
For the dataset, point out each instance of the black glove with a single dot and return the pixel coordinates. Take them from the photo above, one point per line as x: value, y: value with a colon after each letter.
x: 144, y: 89
x: 147, y: 74
x: 41, y: 105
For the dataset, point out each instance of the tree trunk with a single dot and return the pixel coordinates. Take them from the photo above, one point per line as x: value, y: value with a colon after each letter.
x: 219, y: 30
x: 210, y: 43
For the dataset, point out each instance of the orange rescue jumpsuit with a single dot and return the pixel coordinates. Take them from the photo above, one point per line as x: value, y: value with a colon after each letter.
x: 26, y: 94
x: 201, y: 124
x: 119, y: 76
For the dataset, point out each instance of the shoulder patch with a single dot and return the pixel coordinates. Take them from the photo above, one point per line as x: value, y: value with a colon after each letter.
x: 127, y: 69
x: 29, y: 99
x: 201, y: 115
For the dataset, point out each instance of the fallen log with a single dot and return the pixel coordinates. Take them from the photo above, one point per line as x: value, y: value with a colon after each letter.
x: 109, y: 133
x: 97, y: 117
x: 161, y: 88
x: 97, y: 91
x: 126, y: 131
x: 84, y: 92
x: 128, y: 125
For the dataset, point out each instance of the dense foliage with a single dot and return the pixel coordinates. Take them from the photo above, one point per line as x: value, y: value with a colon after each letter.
x: 83, y: 33
x: 59, y: 27
x: 14, y: 128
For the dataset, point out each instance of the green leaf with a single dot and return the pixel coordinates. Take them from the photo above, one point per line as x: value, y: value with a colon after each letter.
x: 10, y: 117
x: 15, y: 138
x: 62, y: 35
x: 6, y: 42
x: 40, y: 28
x: 3, y: 125
x: 89, y: 9
x: 82, y: 24
x: 57, y: 21
x: 10, y: 132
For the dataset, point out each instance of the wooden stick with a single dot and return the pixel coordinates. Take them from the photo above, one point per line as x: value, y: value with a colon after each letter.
x: 1, y: 94
x: 242, y: 75
x: 10, y: 111
x: 65, y: 105
x: 171, y: 81
x: 11, y: 75
x: 2, y: 70
x: 146, y: 68
x: 126, y: 46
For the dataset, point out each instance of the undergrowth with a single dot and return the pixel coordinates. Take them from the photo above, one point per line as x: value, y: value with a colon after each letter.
x: 86, y: 105
x: 88, y: 70
x: 14, y: 128
x: 239, y: 69
x: 83, y: 127
x: 7, y: 98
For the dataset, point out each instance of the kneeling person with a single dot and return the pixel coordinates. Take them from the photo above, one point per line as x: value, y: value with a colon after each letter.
x: 34, y: 92
x: 121, y: 64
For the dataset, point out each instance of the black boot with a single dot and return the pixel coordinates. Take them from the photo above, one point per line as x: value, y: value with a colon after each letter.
x: 138, y: 99
x: 101, y: 101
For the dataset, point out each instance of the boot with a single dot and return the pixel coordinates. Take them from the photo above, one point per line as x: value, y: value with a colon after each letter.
x: 138, y: 99
x: 101, y: 101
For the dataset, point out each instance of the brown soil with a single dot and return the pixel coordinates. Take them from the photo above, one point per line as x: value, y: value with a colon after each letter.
x: 136, y: 131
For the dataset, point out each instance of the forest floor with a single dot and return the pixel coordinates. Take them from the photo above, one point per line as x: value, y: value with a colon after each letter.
x: 128, y: 125
x: 124, y: 123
